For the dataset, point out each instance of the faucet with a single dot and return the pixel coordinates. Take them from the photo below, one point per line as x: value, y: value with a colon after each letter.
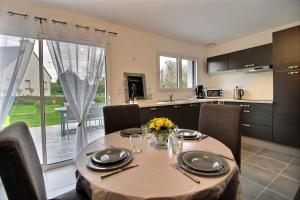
x: 171, y: 97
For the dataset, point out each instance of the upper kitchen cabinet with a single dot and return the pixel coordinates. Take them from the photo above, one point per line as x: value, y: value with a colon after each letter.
x: 217, y: 63
x: 286, y: 49
x: 256, y: 56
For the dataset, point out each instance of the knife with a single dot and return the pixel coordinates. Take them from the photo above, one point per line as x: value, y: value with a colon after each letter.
x: 118, y: 171
x: 203, y: 137
x: 229, y: 158
x: 92, y: 152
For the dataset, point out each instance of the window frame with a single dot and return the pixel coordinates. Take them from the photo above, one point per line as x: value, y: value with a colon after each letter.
x: 179, y: 58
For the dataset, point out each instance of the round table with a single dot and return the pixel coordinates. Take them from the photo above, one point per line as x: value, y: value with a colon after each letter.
x: 155, y: 178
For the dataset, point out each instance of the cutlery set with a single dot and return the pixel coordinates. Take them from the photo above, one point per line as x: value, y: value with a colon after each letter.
x: 188, y: 163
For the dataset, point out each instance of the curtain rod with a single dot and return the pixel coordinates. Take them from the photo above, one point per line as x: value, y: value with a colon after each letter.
x: 64, y: 23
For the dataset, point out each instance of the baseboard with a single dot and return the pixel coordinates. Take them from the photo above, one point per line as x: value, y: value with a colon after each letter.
x: 272, y: 146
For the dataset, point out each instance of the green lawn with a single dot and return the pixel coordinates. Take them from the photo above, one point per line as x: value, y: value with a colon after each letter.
x: 31, y: 115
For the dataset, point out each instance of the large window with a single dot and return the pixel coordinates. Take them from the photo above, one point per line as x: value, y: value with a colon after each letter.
x: 177, y: 72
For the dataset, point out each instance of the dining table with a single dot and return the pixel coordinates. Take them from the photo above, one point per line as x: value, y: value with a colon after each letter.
x: 155, y: 177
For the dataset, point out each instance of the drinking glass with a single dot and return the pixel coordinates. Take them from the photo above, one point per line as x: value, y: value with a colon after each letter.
x: 144, y: 129
x: 136, y: 143
x: 176, y: 144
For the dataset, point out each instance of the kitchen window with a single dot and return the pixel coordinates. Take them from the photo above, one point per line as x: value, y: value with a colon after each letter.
x: 177, y: 72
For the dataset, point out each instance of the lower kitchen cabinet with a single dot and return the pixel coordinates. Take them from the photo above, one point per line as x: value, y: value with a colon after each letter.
x: 184, y: 115
x: 257, y: 120
x: 257, y: 131
x: 286, y: 129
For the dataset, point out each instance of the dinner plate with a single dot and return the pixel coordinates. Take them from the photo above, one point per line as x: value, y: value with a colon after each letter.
x: 130, y: 131
x: 187, y: 133
x: 203, y: 161
x: 96, y: 167
x: 110, y: 156
x: 183, y: 166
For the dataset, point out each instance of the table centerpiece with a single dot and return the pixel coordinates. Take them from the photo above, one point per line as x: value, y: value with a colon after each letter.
x: 161, y: 128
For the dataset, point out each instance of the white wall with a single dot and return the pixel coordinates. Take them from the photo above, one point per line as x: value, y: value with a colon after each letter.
x: 256, y: 85
x: 131, y: 51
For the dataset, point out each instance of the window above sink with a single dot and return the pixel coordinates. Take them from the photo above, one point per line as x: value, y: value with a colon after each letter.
x: 176, y: 72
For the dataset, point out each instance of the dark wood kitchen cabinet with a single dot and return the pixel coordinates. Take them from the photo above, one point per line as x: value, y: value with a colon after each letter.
x: 184, y: 115
x: 256, y: 56
x: 286, y: 60
x: 217, y: 63
x: 286, y: 48
x: 256, y: 120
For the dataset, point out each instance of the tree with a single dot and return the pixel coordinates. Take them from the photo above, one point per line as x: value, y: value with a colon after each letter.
x: 56, y: 88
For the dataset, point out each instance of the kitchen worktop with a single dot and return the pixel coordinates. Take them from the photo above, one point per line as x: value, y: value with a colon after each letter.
x: 152, y: 103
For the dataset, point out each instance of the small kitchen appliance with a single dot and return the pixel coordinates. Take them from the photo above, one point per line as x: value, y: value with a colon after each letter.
x: 200, y: 92
x: 214, y: 93
x: 238, y: 93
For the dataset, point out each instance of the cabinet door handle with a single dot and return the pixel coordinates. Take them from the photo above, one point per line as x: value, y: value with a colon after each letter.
x: 294, y: 72
x: 245, y: 106
x: 250, y: 65
x: 246, y: 125
x: 153, y: 109
x: 293, y: 67
x: 193, y: 105
x: 176, y: 106
x: 246, y: 111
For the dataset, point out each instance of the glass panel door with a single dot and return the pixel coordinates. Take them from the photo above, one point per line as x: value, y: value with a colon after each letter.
x: 60, y: 122
x: 26, y: 106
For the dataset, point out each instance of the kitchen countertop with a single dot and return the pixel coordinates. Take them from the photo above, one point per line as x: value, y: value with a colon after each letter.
x: 152, y: 103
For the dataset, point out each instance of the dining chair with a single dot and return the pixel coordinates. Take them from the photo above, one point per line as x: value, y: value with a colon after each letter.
x: 69, y: 117
x: 222, y: 122
x: 96, y: 114
x: 121, y: 117
x: 20, y: 168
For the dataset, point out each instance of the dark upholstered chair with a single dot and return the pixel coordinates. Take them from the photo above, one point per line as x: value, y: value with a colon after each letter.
x: 120, y: 117
x: 20, y: 169
x: 222, y: 122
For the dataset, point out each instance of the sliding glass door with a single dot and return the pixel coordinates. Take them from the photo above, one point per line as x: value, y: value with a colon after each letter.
x: 57, y: 142
x: 26, y: 106
x: 60, y: 122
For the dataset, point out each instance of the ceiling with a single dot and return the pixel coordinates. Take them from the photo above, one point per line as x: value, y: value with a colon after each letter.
x: 197, y: 21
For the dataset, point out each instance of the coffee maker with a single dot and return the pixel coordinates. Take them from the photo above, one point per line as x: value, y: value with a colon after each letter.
x: 200, y: 92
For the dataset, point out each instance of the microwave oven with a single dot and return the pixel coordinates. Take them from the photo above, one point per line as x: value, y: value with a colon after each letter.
x: 214, y: 93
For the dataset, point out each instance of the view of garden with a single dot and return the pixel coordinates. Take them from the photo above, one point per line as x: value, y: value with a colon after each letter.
x: 27, y: 108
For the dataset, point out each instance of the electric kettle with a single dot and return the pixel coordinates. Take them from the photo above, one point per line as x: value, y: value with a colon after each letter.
x: 238, y: 93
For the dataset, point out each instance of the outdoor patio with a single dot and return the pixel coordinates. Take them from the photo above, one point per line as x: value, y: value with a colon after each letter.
x: 61, y: 147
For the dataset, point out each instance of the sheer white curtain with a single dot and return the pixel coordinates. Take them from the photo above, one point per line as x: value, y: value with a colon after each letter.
x: 80, y: 66
x: 15, y: 52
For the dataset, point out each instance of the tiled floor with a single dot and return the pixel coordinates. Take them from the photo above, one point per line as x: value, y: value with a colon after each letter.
x: 265, y: 175
x: 268, y: 175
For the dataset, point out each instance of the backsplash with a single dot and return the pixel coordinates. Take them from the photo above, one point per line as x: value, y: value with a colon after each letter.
x: 256, y: 85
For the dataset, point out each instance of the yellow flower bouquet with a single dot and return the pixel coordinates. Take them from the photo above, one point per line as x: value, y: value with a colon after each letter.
x: 161, y: 128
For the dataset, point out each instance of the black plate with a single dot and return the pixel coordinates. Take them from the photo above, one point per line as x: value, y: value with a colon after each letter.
x: 183, y: 166
x: 203, y: 161
x: 96, y: 167
x: 130, y: 131
x: 110, y: 156
x: 187, y: 133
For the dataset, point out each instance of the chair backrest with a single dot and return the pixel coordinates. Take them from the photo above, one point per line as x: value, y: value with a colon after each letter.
x: 96, y: 111
x: 70, y: 116
x: 20, y: 169
x: 120, y: 117
x: 223, y: 123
